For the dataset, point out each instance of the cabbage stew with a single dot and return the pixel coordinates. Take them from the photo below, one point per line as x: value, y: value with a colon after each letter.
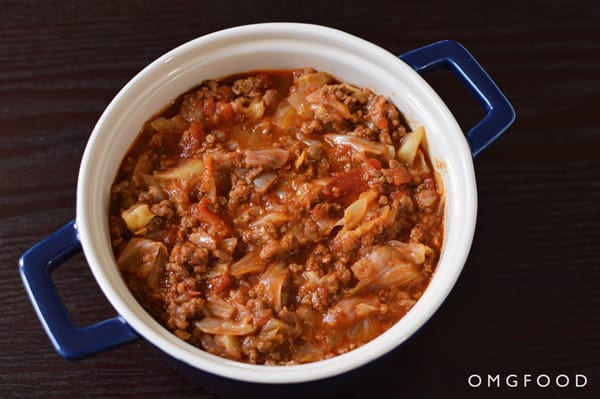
x: 277, y: 217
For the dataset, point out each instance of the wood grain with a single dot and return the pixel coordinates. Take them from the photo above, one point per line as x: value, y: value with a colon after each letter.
x: 528, y: 300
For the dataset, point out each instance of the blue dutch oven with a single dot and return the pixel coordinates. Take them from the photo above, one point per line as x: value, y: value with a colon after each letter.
x: 246, y: 48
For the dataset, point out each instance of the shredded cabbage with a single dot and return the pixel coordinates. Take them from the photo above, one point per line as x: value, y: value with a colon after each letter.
x: 409, y: 145
x: 137, y: 217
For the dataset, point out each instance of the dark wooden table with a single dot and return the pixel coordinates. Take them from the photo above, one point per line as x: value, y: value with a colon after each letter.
x: 528, y: 301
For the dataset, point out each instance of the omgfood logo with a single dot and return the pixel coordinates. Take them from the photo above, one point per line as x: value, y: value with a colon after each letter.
x: 526, y: 381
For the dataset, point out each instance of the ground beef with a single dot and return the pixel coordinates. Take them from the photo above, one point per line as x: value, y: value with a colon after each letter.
x: 164, y: 208
x: 252, y: 86
x: 190, y: 254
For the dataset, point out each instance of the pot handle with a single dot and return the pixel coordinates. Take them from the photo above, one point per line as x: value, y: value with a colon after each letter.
x: 69, y: 340
x: 448, y: 54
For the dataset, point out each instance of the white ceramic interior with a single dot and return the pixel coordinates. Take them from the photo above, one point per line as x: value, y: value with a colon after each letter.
x: 273, y: 46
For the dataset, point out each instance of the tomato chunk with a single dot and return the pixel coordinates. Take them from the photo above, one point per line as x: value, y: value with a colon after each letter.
x: 345, y: 187
x: 205, y: 215
x: 192, y: 139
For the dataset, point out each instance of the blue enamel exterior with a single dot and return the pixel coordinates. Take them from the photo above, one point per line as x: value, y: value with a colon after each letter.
x: 70, y: 341
x: 448, y: 54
